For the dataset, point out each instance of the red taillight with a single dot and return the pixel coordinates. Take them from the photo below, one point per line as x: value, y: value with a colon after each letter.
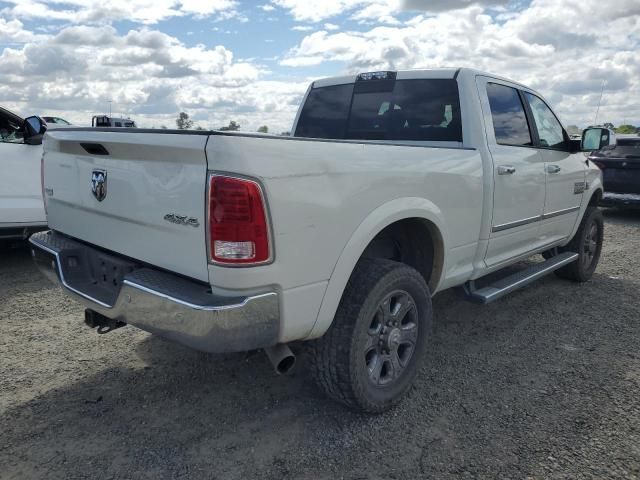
x: 238, y: 228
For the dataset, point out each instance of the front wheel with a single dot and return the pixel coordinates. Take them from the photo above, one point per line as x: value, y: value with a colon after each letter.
x: 370, y: 355
x: 587, y: 243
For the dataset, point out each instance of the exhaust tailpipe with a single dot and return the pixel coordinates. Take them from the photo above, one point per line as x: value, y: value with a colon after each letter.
x: 282, y: 358
x: 104, y: 324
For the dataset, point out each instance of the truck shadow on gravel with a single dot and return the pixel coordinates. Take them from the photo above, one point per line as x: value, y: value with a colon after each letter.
x: 506, y: 387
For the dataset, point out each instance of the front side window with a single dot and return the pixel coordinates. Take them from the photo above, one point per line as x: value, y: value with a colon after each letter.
x: 509, y: 120
x: 548, y: 127
x: 396, y: 110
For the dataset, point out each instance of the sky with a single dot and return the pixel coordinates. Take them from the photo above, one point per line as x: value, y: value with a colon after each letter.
x: 251, y: 61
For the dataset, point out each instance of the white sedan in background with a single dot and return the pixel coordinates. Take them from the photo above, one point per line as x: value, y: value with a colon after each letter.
x: 53, y: 122
x: 21, y: 204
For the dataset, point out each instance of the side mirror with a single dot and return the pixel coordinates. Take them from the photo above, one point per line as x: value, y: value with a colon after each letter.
x: 596, y: 138
x: 34, y: 129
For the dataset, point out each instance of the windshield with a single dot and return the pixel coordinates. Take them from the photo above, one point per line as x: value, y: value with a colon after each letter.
x: 57, y: 120
x: 389, y: 109
x: 626, y: 147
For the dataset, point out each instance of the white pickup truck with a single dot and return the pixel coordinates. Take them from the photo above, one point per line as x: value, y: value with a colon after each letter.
x: 21, y: 207
x: 393, y: 187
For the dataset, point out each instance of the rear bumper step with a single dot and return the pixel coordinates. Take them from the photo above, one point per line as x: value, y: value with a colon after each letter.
x: 162, y: 303
x: 518, y: 280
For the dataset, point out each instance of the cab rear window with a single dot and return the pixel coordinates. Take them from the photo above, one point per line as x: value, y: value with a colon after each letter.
x: 411, y: 110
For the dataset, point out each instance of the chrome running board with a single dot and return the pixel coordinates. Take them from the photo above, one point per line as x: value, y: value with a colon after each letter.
x: 506, y: 285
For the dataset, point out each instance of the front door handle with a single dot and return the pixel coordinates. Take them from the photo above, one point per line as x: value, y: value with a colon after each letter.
x: 506, y: 170
x: 553, y: 168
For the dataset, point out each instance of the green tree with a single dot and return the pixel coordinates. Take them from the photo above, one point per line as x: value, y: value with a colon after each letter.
x: 233, y: 126
x: 183, y: 122
x: 626, y: 129
x: 263, y: 129
x: 609, y: 125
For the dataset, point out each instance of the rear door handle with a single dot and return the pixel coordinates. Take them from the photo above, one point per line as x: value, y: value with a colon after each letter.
x: 506, y: 170
x: 553, y: 168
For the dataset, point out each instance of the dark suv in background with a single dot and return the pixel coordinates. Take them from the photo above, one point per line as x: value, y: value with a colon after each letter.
x: 620, y: 165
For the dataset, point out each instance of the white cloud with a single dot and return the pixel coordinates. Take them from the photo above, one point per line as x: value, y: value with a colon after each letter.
x: 12, y: 31
x: 147, y: 74
x: 551, y: 45
x: 444, y: 5
x: 101, y: 11
x: 206, y: 7
x: 373, y: 11
x: 306, y: 11
x: 73, y: 69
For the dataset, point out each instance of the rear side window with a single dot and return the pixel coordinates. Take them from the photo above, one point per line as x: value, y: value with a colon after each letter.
x: 413, y: 110
x: 325, y: 112
x: 509, y: 120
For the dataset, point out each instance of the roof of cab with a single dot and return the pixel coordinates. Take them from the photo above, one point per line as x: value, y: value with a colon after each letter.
x: 447, y: 72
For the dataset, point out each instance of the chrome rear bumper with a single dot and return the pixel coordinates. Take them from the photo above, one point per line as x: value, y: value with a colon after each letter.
x: 162, y: 303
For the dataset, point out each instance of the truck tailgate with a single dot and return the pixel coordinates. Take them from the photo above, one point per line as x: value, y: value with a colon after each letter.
x: 143, y: 177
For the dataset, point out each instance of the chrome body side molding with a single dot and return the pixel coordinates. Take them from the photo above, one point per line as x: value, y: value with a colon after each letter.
x: 538, y: 218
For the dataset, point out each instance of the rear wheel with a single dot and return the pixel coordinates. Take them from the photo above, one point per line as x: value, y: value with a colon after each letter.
x: 587, y: 243
x: 370, y: 355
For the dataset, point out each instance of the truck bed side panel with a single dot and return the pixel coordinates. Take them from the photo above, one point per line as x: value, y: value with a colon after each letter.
x: 320, y: 192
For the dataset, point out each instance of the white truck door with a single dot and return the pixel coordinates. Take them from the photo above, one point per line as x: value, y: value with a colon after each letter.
x: 21, y: 201
x: 518, y: 173
x: 565, y: 172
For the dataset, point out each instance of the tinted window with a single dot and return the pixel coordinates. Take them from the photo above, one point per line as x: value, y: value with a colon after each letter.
x: 625, y: 148
x: 325, y: 112
x: 548, y: 127
x: 414, y: 110
x: 509, y: 120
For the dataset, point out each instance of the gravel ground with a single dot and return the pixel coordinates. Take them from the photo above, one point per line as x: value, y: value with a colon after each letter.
x: 542, y: 384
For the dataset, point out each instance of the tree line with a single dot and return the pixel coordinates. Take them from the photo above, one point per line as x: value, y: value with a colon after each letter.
x: 184, y: 122
x: 622, y: 129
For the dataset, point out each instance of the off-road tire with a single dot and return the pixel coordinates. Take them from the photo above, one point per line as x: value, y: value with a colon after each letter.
x: 582, y: 269
x: 338, y: 360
